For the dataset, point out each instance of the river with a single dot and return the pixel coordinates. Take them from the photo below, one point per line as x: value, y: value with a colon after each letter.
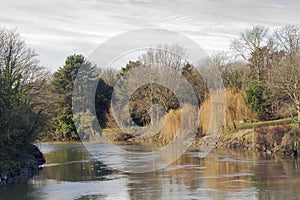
x: 72, y: 173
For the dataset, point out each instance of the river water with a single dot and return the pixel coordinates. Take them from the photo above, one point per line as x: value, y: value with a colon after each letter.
x: 72, y: 173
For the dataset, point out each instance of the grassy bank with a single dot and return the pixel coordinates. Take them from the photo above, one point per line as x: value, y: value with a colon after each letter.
x: 278, y: 137
x: 265, y: 123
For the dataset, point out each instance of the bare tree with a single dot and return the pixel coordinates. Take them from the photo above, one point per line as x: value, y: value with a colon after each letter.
x: 286, y: 80
x: 22, y: 93
x: 165, y: 55
x: 17, y: 59
x: 253, y: 46
x: 288, y: 39
x: 154, y: 79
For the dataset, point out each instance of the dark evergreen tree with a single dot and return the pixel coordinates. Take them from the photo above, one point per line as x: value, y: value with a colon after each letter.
x: 62, y: 122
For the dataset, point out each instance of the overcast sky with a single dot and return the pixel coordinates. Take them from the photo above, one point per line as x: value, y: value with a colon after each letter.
x: 58, y: 28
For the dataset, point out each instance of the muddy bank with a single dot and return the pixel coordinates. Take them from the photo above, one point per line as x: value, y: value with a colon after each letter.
x: 22, y: 167
x: 284, y: 141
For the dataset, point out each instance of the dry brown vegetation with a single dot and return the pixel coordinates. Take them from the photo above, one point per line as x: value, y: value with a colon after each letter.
x: 171, y: 126
x: 178, y: 123
x: 236, y: 111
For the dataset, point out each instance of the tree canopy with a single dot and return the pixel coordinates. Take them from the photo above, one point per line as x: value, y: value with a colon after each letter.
x: 22, y: 81
x: 62, y: 83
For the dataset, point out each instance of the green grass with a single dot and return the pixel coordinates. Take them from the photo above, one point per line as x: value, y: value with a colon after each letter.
x: 119, y: 130
x: 265, y: 123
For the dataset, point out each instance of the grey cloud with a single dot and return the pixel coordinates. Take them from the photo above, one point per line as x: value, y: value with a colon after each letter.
x: 77, y: 25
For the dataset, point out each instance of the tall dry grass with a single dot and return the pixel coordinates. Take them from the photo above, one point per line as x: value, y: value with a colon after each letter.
x: 236, y: 111
x: 177, y: 122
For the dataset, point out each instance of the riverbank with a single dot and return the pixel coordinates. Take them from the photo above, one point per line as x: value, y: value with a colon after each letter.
x: 283, y: 140
x: 21, y: 168
x: 224, y: 173
x: 280, y: 138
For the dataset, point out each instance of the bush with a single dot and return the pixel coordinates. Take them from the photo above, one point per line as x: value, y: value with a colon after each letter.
x: 258, y: 99
x: 267, y: 137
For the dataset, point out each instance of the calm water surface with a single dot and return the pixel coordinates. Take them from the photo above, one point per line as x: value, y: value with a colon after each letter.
x: 72, y: 173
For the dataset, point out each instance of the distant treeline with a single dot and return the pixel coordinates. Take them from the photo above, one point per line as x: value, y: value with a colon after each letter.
x: 262, y: 66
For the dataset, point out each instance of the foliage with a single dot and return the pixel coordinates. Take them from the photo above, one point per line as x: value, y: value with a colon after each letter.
x: 21, y: 84
x: 166, y: 62
x: 102, y: 102
x: 163, y: 62
x: 84, y: 124
x: 267, y: 75
x: 62, y: 122
x: 258, y: 99
x: 196, y: 81
x: 146, y: 96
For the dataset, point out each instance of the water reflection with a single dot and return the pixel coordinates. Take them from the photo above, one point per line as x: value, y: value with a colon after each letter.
x: 72, y: 173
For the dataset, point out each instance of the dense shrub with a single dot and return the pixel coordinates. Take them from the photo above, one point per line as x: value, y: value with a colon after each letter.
x: 258, y: 99
x: 22, y: 82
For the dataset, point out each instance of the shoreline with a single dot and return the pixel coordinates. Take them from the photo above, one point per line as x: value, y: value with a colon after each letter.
x: 280, y: 139
x: 21, y: 168
x: 285, y: 144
